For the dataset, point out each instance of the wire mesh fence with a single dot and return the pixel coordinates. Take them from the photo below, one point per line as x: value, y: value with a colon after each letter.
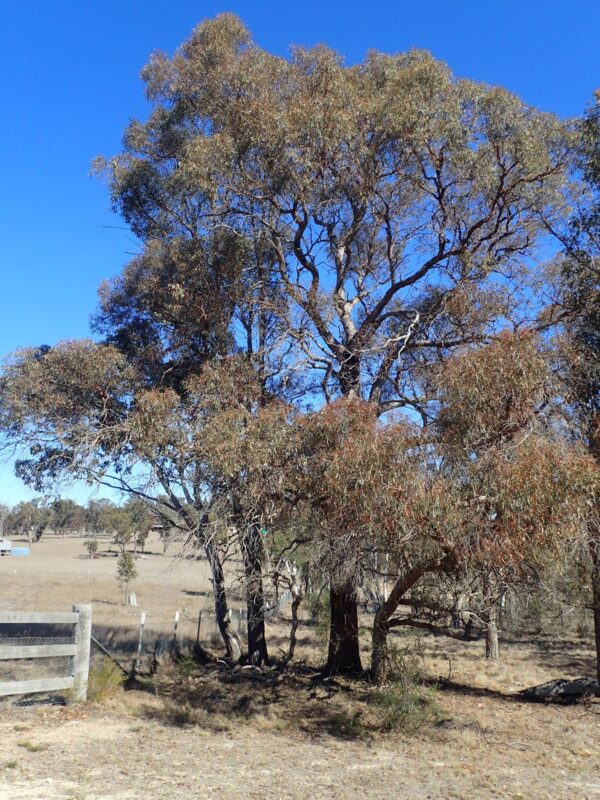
x: 33, y: 669
x: 157, y: 635
x: 43, y: 656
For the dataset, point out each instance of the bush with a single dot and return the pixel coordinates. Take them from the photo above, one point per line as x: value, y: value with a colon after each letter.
x: 405, y: 704
x: 105, y: 680
x: 126, y: 571
x: 319, y: 608
x: 91, y: 545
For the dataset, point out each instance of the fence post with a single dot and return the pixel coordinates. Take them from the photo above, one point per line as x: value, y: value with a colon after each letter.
x: 81, y: 660
x: 140, y: 641
x: 199, y: 626
x: 175, y: 631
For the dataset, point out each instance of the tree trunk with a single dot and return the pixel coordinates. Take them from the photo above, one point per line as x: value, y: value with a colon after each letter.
x: 490, y: 616
x: 223, y: 615
x: 595, y: 576
x: 380, y: 656
x: 344, y: 650
x: 491, y: 632
x: 255, y: 598
x: 344, y: 647
x: 381, y: 623
x: 298, y: 587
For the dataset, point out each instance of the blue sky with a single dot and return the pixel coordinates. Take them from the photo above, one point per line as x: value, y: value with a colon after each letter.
x: 70, y: 82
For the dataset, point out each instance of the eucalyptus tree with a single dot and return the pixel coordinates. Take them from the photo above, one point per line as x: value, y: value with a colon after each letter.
x: 396, y: 204
x: 577, y: 304
x: 82, y: 410
x: 31, y: 518
x: 494, y: 490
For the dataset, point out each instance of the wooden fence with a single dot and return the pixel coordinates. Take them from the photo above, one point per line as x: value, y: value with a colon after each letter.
x: 78, y: 652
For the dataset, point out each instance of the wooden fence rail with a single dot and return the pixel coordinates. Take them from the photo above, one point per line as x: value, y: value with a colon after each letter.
x: 78, y: 652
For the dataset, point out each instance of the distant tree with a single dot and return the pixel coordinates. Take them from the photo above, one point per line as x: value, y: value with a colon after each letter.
x: 97, y: 515
x: 122, y: 527
x: 166, y: 534
x: 126, y: 572
x: 91, y: 545
x: 30, y: 518
x: 67, y: 515
x: 140, y: 513
x: 4, y: 516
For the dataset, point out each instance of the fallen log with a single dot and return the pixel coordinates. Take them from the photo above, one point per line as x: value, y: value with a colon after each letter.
x: 562, y: 691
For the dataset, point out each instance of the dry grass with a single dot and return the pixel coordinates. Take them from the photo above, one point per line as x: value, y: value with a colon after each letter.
x: 290, y: 736
x: 275, y: 746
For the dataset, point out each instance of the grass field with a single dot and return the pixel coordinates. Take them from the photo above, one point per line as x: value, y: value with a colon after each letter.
x: 289, y: 738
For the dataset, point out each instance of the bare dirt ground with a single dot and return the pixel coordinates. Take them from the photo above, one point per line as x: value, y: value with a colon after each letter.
x: 287, y: 741
x: 487, y: 749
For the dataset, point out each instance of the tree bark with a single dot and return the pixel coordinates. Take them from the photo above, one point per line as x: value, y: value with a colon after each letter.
x: 491, y: 632
x: 380, y: 655
x: 223, y: 615
x: 595, y: 579
x: 381, y: 624
x: 490, y: 617
x: 344, y: 649
x: 252, y: 548
x: 344, y: 646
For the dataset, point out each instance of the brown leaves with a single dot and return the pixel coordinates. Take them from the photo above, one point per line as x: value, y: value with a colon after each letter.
x: 492, y: 393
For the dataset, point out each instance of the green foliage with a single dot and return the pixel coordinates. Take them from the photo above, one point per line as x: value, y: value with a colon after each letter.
x: 32, y: 747
x: 319, y: 608
x: 347, y: 724
x: 30, y: 518
x: 105, y: 680
x: 126, y: 570
x: 91, y: 545
x: 404, y: 703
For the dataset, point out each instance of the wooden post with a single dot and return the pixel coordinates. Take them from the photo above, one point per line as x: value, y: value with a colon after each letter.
x: 139, y: 650
x: 385, y: 577
x: 199, y: 626
x: 175, y: 631
x: 81, y: 660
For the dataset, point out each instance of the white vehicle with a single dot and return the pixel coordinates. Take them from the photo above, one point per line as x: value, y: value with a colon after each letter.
x: 5, y: 547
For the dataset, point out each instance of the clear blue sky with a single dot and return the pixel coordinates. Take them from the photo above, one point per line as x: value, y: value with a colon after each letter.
x: 70, y: 82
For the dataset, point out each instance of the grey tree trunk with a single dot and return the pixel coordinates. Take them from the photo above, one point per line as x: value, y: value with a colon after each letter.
x: 491, y: 633
x: 595, y: 579
x: 255, y: 597
x: 222, y: 612
x: 490, y: 616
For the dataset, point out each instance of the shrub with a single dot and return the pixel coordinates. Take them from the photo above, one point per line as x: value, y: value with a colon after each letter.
x: 405, y: 703
x: 105, y: 680
x: 319, y: 608
x: 126, y: 571
x: 91, y: 545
